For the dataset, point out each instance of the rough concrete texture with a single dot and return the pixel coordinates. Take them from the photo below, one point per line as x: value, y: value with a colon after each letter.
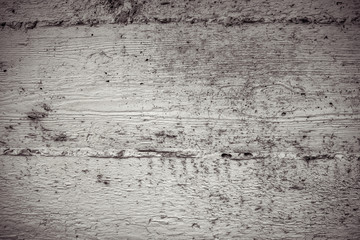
x: 179, y: 119
x: 29, y: 13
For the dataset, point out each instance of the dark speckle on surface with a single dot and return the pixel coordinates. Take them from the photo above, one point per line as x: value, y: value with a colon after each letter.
x: 226, y: 155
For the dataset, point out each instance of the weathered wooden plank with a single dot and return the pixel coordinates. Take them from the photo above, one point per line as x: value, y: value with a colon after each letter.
x: 229, y: 121
x: 162, y: 198
x: 241, y: 89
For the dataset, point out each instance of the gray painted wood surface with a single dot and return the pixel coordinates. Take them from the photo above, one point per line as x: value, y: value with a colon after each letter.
x: 179, y: 120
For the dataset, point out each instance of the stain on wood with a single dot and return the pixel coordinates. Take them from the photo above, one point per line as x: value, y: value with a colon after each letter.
x: 179, y: 119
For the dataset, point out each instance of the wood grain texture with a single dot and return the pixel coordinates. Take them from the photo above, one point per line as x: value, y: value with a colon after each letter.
x: 241, y: 89
x: 206, y: 127
x: 162, y: 198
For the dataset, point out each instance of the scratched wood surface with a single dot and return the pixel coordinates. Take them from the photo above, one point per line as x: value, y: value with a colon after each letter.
x: 140, y: 122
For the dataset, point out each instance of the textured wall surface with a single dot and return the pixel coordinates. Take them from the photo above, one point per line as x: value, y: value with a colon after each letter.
x: 124, y: 119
